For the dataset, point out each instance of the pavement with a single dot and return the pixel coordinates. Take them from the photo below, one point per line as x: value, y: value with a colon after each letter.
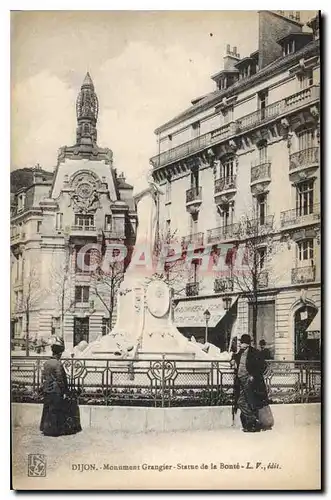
x: 226, y: 459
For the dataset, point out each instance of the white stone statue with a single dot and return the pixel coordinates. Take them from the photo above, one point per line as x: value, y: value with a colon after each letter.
x: 146, y: 199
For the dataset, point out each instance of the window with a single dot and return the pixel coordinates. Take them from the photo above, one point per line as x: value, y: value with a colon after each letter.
x: 195, y: 179
x: 168, y: 228
x: 306, y: 139
x: 20, y: 201
x: 227, y: 169
x: 305, y: 251
x: 263, y: 103
x: 168, y: 192
x: 194, y: 224
x: 39, y: 226
x: 105, y: 326
x: 261, y: 257
x: 306, y: 79
x: 108, y: 222
x: 59, y: 221
x: 225, y: 216
x: 263, y: 154
x: 170, y: 141
x: 82, y: 294
x: 305, y: 198
x: 195, y: 129
x: 289, y: 48
x: 84, y: 221
x: 83, y: 261
x: 261, y: 205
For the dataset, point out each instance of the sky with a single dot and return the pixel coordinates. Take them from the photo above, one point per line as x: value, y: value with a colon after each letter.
x: 146, y: 67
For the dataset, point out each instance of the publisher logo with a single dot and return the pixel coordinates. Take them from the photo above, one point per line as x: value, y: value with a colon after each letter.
x: 36, y: 465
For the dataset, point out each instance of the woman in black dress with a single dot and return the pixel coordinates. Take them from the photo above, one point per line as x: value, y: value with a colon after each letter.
x: 60, y: 414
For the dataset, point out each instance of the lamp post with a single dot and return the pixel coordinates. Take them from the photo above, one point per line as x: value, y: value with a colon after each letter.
x: 206, y: 315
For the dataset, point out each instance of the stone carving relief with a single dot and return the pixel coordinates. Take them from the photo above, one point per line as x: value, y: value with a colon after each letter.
x: 84, y: 196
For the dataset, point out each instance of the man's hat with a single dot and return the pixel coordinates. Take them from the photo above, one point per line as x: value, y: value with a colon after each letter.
x: 245, y: 339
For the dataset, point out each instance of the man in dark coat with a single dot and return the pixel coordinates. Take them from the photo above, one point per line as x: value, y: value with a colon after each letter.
x: 249, y: 386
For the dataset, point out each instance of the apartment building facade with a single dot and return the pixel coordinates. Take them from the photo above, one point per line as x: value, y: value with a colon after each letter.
x: 250, y: 151
x: 53, y: 216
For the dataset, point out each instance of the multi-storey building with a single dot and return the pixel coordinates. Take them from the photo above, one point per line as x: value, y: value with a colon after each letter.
x: 54, y: 215
x: 250, y: 151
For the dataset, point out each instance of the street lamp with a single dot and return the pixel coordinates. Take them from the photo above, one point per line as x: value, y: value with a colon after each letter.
x: 206, y: 315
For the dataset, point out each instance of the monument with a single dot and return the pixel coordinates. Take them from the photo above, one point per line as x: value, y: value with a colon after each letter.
x: 144, y: 326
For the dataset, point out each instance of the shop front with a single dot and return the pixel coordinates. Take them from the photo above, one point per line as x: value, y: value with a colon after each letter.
x: 207, y: 319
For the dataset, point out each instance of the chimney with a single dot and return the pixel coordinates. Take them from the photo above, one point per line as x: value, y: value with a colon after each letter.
x: 231, y: 57
x: 272, y: 26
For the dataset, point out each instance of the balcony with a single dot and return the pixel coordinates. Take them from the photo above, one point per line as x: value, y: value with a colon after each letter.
x: 303, y: 274
x: 262, y: 280
x: 225, y: 233
x: 259, y: 226
x: 83, y: 230
x: 15, y: 239
x: 225, y: 185
x: 306, y: 158
x: 193, y: 146
x: 300, y: 217
x: 261, y: 172
x: 222, y: 285
x: 259, y: 117
x: 195, y: 239
x: 192, y: 289
x: 276, y: 109
x: 114, y: 235
x: 193, y: 199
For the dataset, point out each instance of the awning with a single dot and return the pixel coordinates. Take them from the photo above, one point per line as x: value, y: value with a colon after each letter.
x: 315, y: 325
x: 190, y: 313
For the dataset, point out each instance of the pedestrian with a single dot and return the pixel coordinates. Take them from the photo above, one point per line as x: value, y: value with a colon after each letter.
x: 265, y: 352
x: 250, y: 393
x: 60, y: 414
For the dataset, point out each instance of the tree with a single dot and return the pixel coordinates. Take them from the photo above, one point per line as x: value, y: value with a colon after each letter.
x: 30, y: 299
x: 173, y: 269
x: 107, y: 283
x: 251, y: 261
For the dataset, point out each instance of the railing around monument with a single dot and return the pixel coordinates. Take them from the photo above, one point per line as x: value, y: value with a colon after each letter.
x: 165, y: 382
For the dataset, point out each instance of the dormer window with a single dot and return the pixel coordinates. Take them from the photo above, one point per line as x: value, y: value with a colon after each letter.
x: 20, y: 201
x: 289, y: 47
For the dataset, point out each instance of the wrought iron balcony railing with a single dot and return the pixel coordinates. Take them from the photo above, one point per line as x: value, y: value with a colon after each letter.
x: 192, y: 289
x: 260, y: 225
x: 291, y: 103
x: 218, y: 234
x: 223, y: 285
x: 194, y: 194
x: 225, y: 184
x: 304, y: 215
x: 261, y: 171
x: 278, y: 108
x: 303, y: 274
x: 304, y: 158
x: 196, y: 238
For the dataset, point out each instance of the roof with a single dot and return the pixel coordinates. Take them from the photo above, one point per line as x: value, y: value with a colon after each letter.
x: 217, y: 95
x: 244, y: 60
x: 224, y: 71
x: 22, y: 178
x: 290, y: 36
